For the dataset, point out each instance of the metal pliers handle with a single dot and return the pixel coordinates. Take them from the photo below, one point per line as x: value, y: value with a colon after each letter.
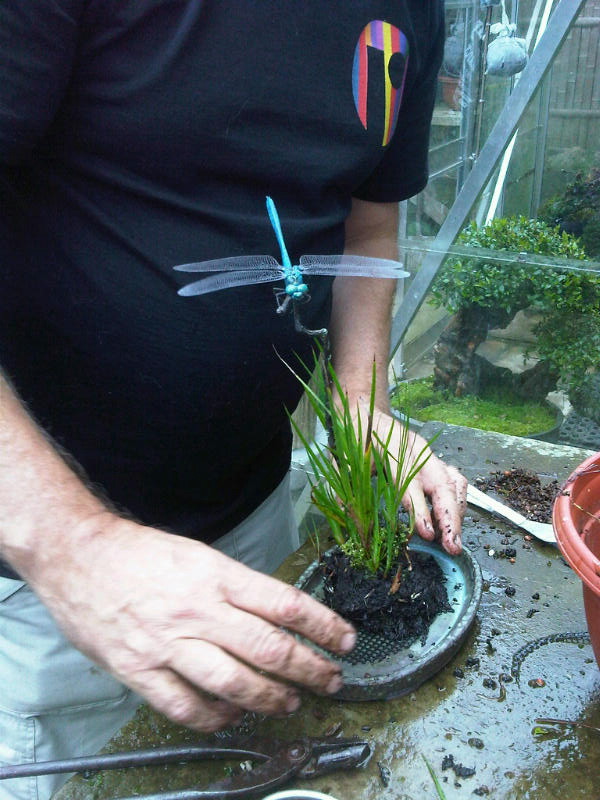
x: 279, y: 762
x: 282, y: 761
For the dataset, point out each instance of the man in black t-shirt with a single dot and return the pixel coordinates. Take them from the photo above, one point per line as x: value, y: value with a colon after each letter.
x: 136, y: 135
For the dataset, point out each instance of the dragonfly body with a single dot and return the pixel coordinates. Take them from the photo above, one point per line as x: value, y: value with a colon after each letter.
x: 246, y: 270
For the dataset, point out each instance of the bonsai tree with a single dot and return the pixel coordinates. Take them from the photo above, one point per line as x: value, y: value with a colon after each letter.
x: 486, y: 294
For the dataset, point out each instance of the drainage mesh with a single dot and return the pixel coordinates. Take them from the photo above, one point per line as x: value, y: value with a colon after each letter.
x: 579, y: 431
x: 372, y: 647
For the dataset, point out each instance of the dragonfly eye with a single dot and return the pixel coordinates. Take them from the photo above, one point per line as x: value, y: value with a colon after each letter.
x: 296, y: 290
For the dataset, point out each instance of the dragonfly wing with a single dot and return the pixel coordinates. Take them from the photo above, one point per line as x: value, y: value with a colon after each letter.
x: 352, y: 265
x: 233, y: 263
x: 226, y: 280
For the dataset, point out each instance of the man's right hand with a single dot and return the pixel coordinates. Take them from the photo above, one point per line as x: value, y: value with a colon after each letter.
x: 197, y: 634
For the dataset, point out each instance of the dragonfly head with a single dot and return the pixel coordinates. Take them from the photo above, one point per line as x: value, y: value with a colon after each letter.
x: 296, y: 290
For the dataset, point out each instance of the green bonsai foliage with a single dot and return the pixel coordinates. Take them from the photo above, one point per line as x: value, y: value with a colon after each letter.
x: 501, y: 287
x: 485, y: 294
x: 578, y: 210
x: 358, y: 482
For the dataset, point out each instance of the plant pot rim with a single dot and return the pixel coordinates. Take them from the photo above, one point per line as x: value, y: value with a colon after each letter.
x: 570, y: 540
x: 405, y: 670
x: 299, y: 794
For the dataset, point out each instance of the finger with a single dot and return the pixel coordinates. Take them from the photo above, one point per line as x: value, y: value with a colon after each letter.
x: 182, y: 703
x: 448, y: 501
x: 202, y: 664
x: 265, y: 647
x: 286, y: 606
x: 414, y: 500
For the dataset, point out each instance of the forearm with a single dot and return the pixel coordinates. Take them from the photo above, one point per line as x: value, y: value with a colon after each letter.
x: 362, y: 307
x: 44, y: 504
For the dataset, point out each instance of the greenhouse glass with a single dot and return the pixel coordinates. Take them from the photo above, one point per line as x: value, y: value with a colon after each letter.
x: 503, y: 246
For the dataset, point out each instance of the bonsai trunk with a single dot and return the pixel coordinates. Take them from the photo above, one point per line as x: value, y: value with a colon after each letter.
x: 459, y: 370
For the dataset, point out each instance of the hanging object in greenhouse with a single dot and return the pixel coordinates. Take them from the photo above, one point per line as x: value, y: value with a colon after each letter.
x: 454, y: 47
x: 507, y: 53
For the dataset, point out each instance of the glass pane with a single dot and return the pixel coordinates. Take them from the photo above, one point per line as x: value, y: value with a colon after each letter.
x: 515, y: 306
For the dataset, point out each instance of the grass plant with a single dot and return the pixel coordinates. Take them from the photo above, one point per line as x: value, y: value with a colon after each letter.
x: 358, y: 478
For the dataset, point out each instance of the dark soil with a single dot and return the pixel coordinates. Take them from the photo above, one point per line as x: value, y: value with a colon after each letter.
x: 523, y: 491
x: 365, y: 599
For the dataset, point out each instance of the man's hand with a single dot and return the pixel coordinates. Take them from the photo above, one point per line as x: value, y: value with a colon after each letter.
x: 191, y: 630
x: 442, y: 484
x: 446, y: 489
x: 197, y: 634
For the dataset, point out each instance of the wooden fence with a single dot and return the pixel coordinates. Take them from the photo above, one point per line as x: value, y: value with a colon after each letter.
x: 574, y: 108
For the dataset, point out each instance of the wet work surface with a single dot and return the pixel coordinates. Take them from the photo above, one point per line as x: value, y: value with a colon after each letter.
x: 474, y: 722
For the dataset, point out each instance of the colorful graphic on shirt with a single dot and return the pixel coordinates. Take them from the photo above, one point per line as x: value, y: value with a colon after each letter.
x: 393, y: 45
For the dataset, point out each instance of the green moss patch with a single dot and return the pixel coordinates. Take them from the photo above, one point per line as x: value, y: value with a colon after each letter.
x: 497, y: 410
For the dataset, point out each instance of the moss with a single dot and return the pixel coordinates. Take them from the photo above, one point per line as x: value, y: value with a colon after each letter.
x: 498, y: 410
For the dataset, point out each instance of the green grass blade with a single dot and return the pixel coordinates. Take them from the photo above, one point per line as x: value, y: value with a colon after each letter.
x: 438, y: 787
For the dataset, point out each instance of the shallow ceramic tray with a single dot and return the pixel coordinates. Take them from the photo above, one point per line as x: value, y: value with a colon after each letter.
x: 375, y: 670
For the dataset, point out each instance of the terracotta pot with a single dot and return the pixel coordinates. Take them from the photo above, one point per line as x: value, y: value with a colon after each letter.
x: 576, y: 522
x: 450, y: 90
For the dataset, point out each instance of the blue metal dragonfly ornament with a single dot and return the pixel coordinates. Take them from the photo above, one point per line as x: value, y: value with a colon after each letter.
x: 245, y: 270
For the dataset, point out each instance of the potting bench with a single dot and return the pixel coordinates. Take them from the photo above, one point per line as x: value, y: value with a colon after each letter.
x: 467, y: 714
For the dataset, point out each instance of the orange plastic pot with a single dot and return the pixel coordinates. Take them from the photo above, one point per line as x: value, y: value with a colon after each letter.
x: 576, y: 522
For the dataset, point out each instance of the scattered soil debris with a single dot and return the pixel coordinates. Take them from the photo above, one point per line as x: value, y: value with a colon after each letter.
x: 490, y: 683
x: 384, y: 774
x: 333, y: 730
x: 537, y: 683
x: 524, y: 491
x: 459, y: 770
x: 472, y: 662
x: 476, y: 743
x: 510, y: 591
x: 481, y: 791
x: 458, y: 673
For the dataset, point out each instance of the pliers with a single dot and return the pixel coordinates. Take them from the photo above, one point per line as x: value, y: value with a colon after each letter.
x: 305, y: 757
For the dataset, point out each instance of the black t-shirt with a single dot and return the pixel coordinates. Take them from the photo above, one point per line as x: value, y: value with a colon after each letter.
x: 140, y: 134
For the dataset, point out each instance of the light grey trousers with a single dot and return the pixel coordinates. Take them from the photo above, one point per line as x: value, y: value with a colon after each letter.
x: 56, y: 703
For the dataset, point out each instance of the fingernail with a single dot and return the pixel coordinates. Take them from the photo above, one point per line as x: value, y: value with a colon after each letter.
x: 335, y: 684
x: 348, y: 641
x: 292, y: 703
